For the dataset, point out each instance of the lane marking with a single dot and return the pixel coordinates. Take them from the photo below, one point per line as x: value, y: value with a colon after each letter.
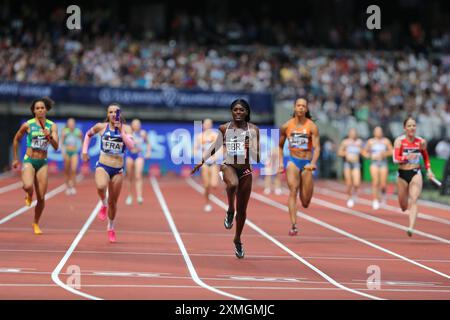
x: 48, y: 195
x: 125, y: 274
x: 24, y: 209
x: 11, y: 187
x: 280, y: 236
x: 366, y: 216
x: 345, y: 233
x: 342, y: 196
x: 6, y: 174
x: 180, y: 243
x: 221, y: 204
x: 243, y: 278
x: 10, y: 270
x: 221, y: 287
x: 55, y: 273
x: 340, y: 188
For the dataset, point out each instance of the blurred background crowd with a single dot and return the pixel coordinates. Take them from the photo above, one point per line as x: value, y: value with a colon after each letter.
x: 318, y: 49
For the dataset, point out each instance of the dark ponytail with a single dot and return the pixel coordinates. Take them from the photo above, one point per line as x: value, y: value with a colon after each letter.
x: 308, y: 115
x: 243, y: 103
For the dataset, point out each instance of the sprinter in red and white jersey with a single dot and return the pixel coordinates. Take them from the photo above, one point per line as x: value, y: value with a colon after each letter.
x: 408, y: 150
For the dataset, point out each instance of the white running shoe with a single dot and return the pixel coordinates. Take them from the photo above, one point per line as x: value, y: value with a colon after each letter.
x: 208, y: 208
x: 140, y: 200
x: 350, y: 203
x: 278, y: 191
x: 375, y: 205
x: 266, y: 191
x: 129, y: 200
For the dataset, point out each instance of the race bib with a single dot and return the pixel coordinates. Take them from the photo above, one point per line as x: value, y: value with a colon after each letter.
x: 299, y: 140
x: 236, y: 148
x: 112, y: 145
x: 39, y: 142
x: 415, y: 152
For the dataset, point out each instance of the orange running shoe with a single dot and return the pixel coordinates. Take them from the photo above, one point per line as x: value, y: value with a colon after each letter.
x: 36, y: 229
x: 28, y: 200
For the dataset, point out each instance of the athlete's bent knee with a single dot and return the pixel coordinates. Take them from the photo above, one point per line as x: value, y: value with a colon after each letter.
x: 305, y: 204
x: 293, y: 190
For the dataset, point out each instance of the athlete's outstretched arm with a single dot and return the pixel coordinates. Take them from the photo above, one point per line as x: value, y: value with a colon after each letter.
x: 215, y: 147
x: 397, y: 156
x: 316, y: 147
x: 87, y: 139
x: 20, y: 133
x: 53, y: 137
x: 426, y: 159
x: 217, y: 144
x: 127, y: 138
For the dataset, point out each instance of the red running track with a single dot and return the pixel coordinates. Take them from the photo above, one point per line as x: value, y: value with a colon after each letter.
x: 168, y: 248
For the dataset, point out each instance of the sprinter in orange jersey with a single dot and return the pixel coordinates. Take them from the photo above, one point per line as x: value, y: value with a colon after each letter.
x: 303, y: 136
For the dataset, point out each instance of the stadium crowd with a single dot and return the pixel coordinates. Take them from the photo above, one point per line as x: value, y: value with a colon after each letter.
x: 371, y: 85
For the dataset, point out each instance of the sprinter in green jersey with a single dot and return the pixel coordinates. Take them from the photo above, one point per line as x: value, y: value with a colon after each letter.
x: 71, y: 138
x: 40, y: 133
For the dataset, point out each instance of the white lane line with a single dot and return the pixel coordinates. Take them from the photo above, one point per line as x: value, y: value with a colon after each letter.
x: 435, y: 205
x: 11, y: 187
x: 345, y: 233
x: 18, y: 212
x: 180, y: 243
x: 6, y: 174
x: 339, y: 187
x: 225, y: 235
x: 363, y: 215
x: 342, y: 196
x: 55, y: 273
x: 221, y: 204
x: 221, y: 287
x: 244, y: 279
x: 210, y: 255
x: 49, y: 195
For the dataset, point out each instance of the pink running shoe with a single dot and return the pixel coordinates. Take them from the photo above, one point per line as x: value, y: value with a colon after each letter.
x: 112, y: 236
x: 293, y: 231
x: 102, y: 213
